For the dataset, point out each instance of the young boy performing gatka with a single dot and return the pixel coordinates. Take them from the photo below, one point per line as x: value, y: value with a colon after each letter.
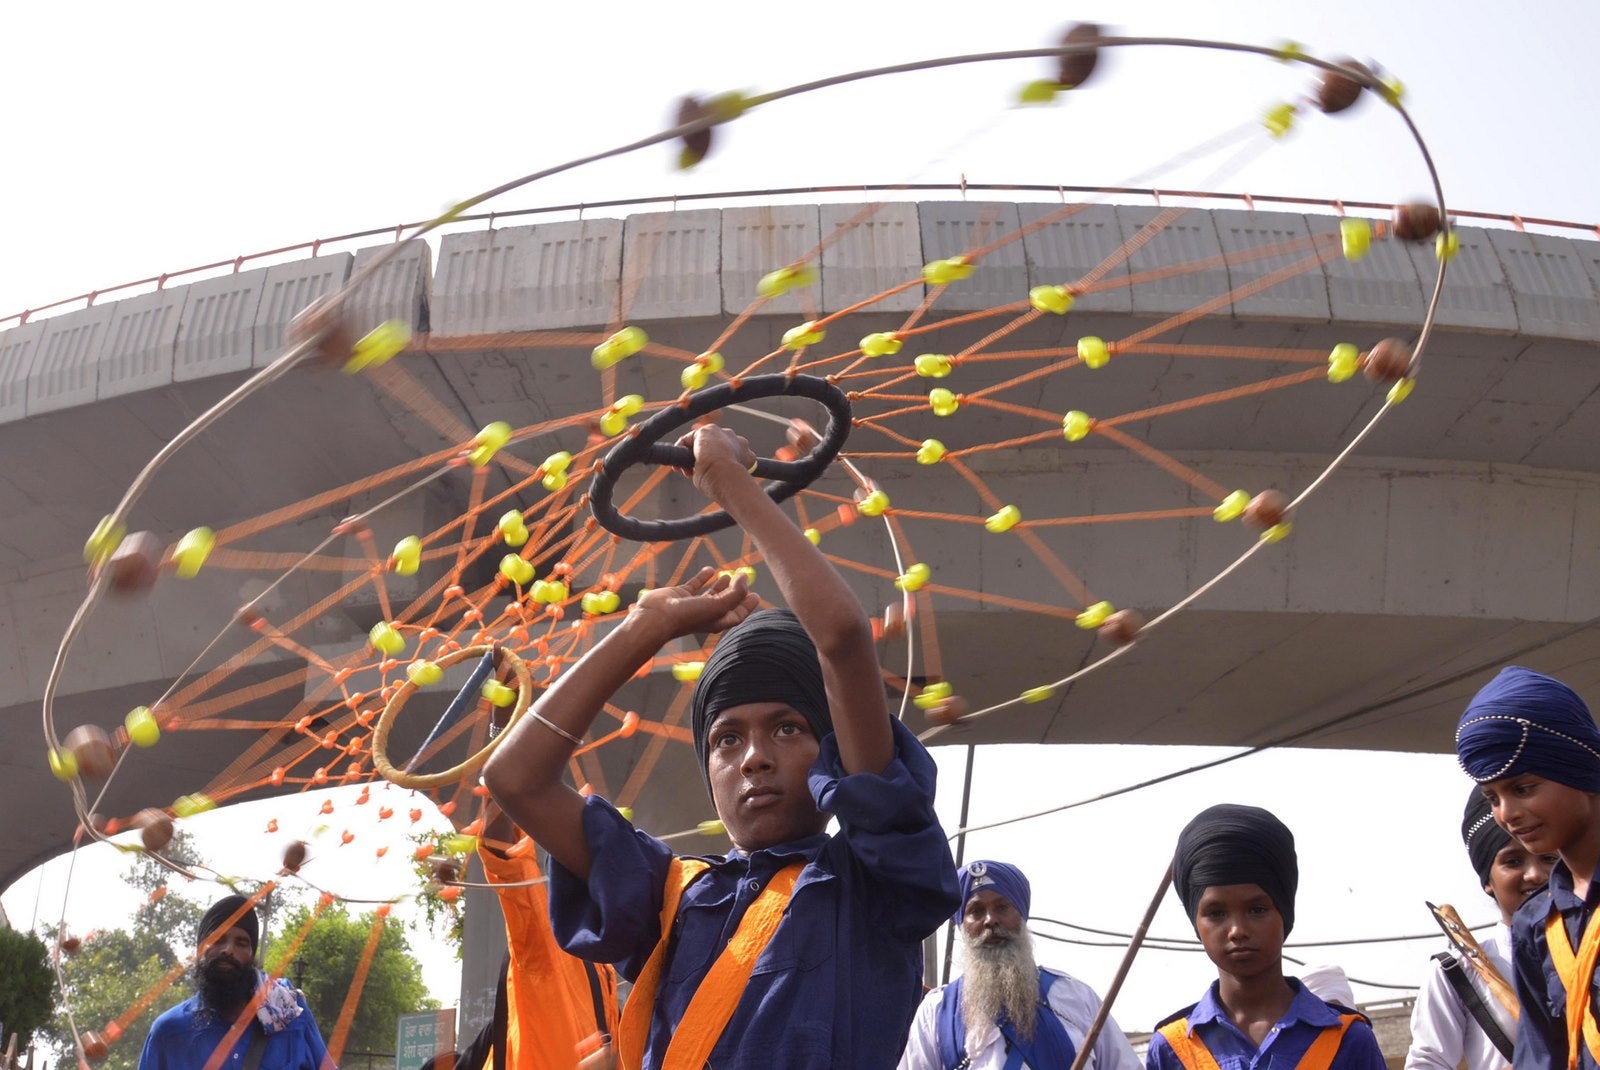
x: 798, y: 949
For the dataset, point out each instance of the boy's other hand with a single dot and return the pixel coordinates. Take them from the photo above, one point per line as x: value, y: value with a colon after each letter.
x: 706, y: 602
x: 718, y: 454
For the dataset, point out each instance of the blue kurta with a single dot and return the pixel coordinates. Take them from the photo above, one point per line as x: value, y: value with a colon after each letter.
x: 184, y: 1037
x: 1305, y: 1020
x: 1542, y: 1031
x: 842, y: 977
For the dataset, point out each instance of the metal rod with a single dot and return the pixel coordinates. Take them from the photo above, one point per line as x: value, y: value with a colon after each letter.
x: 1104, y: 1012
x: 961, y: 850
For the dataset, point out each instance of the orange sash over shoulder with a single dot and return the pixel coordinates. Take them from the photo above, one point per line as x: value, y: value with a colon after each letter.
x: 720, y: 990
x: 1577, y: 978
x: 1194, y: 1055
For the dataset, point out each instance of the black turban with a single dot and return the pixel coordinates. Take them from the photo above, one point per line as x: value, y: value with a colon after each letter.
x: 1231, y: 844
x: 225, y: 908
x: 1484, y: 838
x: 767, y: 657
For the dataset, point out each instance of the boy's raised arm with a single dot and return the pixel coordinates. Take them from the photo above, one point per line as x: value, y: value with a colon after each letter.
x: 525, y: 772
x: 816, y: 593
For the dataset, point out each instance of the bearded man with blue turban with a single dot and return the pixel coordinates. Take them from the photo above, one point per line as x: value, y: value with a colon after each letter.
x: 1004, y: 1012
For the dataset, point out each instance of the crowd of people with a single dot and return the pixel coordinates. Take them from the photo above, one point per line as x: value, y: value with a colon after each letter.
x: 803, y: 948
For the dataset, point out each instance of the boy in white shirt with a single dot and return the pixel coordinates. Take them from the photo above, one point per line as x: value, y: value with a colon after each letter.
x: 1444, y: 1030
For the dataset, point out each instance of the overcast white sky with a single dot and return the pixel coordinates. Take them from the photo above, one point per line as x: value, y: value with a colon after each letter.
x: 143, y: 139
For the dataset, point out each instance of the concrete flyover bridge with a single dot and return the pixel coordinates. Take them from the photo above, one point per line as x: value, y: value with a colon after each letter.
x: 1460, y: 536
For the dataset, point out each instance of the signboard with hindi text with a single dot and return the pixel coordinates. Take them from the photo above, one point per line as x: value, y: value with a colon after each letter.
x: 419, y: 1037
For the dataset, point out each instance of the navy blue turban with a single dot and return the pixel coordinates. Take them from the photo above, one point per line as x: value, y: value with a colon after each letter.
x: 1525, y: 723
x: 1001, y: 878
x: 1484, y: 838
x: 1230, y: 844
x: 767, y: 657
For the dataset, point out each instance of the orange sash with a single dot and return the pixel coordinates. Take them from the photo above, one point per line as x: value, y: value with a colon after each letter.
x: 718, y: 995
x: 1577, y: 978
x: 1194, y: 1055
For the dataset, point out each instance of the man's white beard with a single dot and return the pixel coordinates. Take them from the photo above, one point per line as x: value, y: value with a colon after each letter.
x: 1000, y: 977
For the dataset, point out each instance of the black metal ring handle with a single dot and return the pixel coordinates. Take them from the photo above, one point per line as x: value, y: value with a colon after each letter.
x: 645, y: 447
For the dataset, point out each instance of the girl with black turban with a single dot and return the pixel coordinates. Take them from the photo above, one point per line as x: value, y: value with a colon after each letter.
x: 1236, y: 873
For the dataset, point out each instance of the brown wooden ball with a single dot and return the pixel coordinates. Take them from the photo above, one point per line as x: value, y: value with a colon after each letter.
x: 136, y: 563
x: 95, y: 1047
x: 1416, y: 222
x: 696, y: 146
x: 894, y: 621
x: 1337, y: 91
x: 802, y: 436
x: 950, y: 711
x: 1074, y: 68
x: 328, y: 330
x: 1122, y: 627
x: 95, y: 823
x: 155, y: 828
x: 294, y: 856
x: 1387, y: 362
x: 1266, y: 509
x: 92, y: 748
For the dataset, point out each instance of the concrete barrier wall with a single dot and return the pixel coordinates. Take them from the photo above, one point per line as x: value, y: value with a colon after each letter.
x: 289, y: 288
x: 216, y: 333
x: 19, y: 349
x: 590, y: 274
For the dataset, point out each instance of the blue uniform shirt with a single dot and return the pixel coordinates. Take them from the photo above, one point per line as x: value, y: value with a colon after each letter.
x: 184, y: 1037
x: 1542, y: 1031
x: 1288, y: 1041
x: 842, y: 977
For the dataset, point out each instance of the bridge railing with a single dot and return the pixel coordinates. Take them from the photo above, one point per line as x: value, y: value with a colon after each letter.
x: 315, y: 246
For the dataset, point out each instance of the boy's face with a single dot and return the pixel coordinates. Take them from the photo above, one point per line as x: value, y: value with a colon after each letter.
x: 1516, y: 874
x: 758, y: 757
x: 1547, y: 816
x: 1241, y: 929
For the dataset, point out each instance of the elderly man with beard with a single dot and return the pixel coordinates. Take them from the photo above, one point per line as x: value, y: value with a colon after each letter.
x: 1004, y: 1011
x: 265, y: 1023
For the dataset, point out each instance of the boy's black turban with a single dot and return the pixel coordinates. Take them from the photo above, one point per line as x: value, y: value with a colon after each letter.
x: 1484, y: 838
x: 1231, y: 844
x: 767, y: 657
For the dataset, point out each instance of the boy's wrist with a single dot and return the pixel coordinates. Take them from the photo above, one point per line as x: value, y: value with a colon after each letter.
x: 647, y: 630
x: 720, y: 475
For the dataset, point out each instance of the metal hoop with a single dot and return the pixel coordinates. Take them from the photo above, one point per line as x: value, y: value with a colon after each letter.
x: 644, y: 447
x: 455, y: 774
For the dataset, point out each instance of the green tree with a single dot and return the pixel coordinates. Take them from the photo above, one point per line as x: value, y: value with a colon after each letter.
x: 166, y: 912
x: 441, y: 918
x: 325, y: 968
x: 28, y: 996
x: 112, y: 971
